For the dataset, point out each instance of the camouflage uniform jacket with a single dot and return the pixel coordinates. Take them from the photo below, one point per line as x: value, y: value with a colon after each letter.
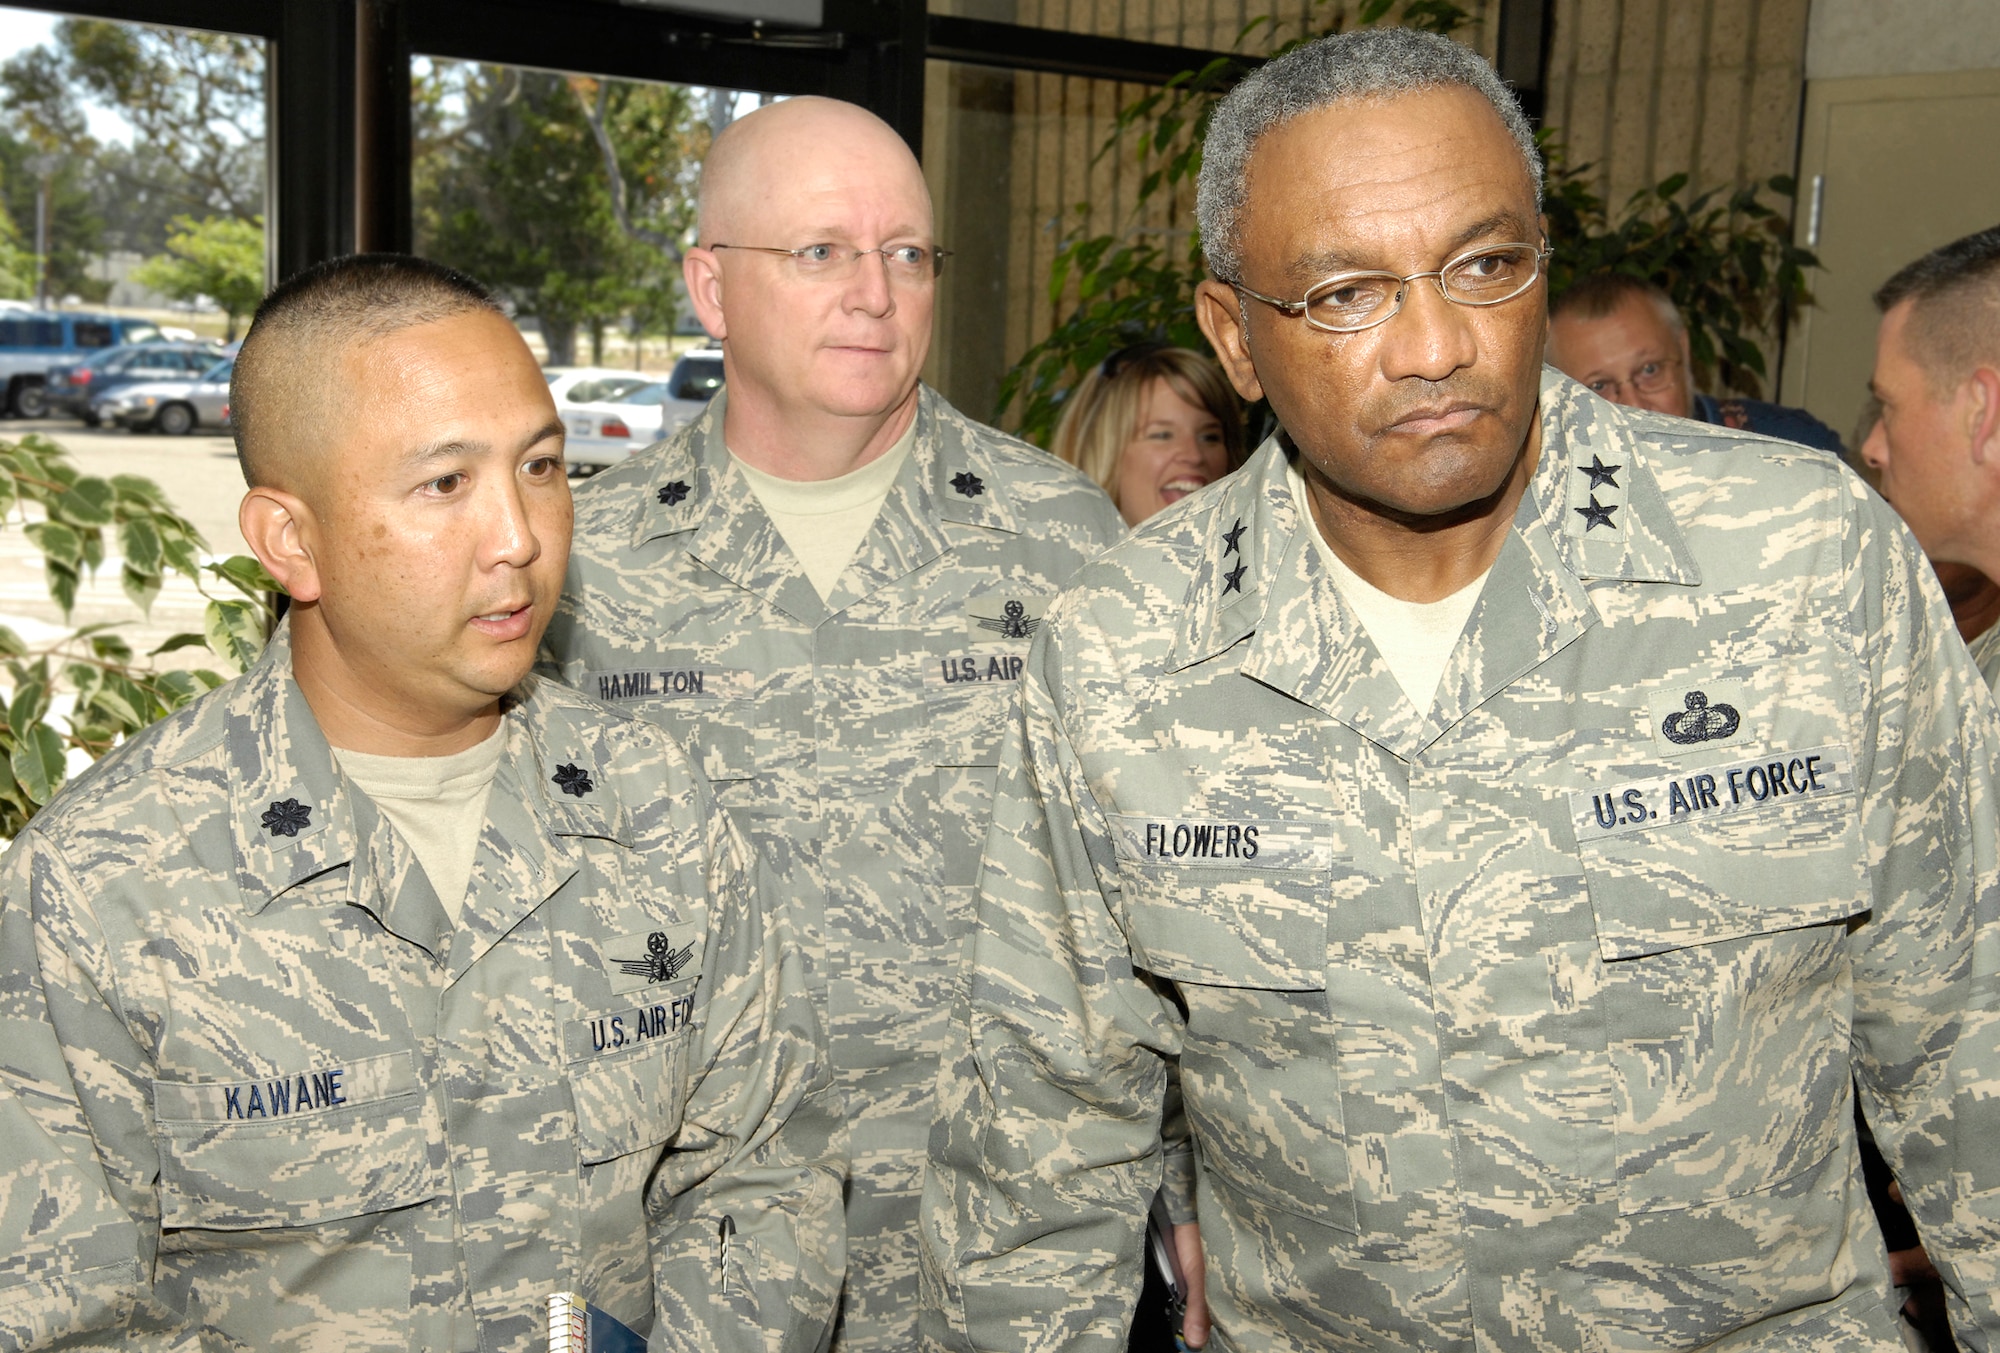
x: 855, y: 741
x: 258, y: 1091
x: 1527, y: 1021
x: 1985, y: 648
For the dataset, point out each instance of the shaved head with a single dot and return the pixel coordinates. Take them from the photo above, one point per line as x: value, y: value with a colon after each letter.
x: 756, y: 156
x: 1953, y: 321
x: 283, y: 395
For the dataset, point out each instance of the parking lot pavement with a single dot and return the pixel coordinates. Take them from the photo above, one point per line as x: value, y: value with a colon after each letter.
x: 199, y: 477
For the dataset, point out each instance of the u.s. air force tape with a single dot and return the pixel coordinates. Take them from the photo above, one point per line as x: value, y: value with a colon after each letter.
x: 1762, y: 782
x: 1223, y: 842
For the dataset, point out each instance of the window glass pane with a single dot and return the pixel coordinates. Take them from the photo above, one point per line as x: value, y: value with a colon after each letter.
x: 143, y: 147
x: 1214, y: 25
x: 510, y: 183
x: 1013, y: 163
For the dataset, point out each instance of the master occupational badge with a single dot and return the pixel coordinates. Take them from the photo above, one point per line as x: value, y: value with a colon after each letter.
x: 991, y: 620
x: 648, y: 960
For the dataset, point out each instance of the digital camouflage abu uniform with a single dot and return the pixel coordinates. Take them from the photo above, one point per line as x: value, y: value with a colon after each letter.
x: 257, y: 1091
x: 1527, y: 1021
x: 1986, y: 652
x: 854, y: 741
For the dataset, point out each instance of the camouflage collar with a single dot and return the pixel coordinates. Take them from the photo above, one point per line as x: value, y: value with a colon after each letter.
x: 693, y: 487
x: 294, y: 816
x: 1596, y: 494
x: 1260, y: 579
x: 954, y: 480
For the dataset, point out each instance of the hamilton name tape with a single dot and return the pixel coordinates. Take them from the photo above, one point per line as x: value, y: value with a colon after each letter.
x: 669, y: 682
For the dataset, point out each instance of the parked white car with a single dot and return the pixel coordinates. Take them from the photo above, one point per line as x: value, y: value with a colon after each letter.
x: 606, y: 432
x: 589, y: 384
x: 603, y: 433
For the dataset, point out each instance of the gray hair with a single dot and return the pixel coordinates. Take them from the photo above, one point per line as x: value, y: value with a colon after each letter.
x: 1370, y: 63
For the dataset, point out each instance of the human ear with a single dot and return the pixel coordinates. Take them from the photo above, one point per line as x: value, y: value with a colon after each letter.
x: 702, y: 272
x: 278, y: 527
x: 1982, y: 414
x: 1216, y: 311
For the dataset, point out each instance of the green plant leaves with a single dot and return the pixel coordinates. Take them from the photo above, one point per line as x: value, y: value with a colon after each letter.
x: 111, y: 692
x: 38, y: 763
x: 235, y: 631
x: 246, y: 575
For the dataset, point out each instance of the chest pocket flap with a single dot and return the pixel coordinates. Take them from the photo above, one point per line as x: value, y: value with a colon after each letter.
x: 1740, y: 849
x: 339, y: 1139
x: 628, y: 1073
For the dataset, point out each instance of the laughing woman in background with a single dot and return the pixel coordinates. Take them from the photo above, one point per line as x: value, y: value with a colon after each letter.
x: 1152, y: 424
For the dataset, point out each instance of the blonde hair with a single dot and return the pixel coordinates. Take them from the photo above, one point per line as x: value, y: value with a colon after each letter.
x: 1102, y: 413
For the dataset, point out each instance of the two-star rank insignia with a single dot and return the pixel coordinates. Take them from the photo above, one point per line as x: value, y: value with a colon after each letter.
x: 1602, y: 476
x: 968, y: 483
x: 1232, y: 539
x: 670, y: 494
x: 573, y: 780
x: 285, y: 817
x: 1598, y: 514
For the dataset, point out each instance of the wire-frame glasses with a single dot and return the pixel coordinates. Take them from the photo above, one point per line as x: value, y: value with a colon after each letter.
x: 1349, y: 302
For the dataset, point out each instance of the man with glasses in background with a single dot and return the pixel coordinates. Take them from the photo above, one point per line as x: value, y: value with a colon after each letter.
x: 827, y: 586
x: 1522, y: 820
x: 1625, y: 339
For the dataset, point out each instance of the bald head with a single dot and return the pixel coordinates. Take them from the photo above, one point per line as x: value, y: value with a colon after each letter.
x: 283, y: 395
x: 757, y: 157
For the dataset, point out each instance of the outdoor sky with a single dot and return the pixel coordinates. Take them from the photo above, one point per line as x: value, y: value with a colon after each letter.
x: 24, y: 28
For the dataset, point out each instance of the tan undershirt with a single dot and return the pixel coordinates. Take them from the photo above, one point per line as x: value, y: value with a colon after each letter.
x: 1414, y: 637
x: 824, y: 521
x: 438, y: 803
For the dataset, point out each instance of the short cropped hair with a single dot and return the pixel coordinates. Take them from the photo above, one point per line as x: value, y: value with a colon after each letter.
x: 1605, y: 293
x: 306, y: 323
x: 1955, y: 321
x: 1369, y: 63
x: 1103, y: 411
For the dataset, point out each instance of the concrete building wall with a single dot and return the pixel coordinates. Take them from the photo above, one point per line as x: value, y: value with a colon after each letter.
x: 1901, y: 37
x: 1641, y: 89
x: 1010, y: 158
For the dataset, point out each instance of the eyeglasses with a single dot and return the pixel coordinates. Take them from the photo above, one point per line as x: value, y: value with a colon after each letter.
x: 831, y: 262
x: 1349, y: 302
x: 1648, y: 378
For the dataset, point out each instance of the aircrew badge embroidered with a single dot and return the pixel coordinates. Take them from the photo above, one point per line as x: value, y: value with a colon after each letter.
x: 1016, y: 621
x: 1013, y: 622
x: 662, y: 959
